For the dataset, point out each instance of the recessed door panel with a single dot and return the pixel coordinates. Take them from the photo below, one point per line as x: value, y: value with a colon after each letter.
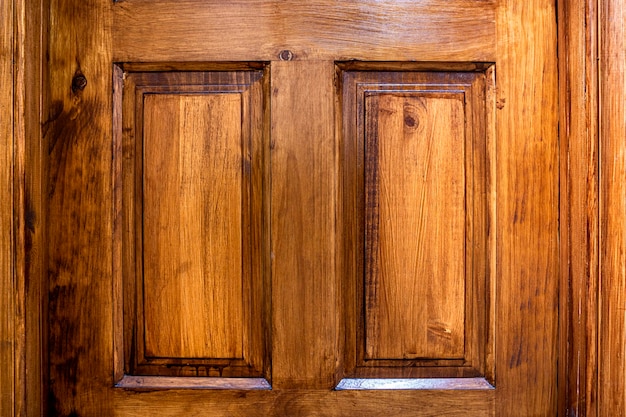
x: 192, y: 205
x: 416, y: 179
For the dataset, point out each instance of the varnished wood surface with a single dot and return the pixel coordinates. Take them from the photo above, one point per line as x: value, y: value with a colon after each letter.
x: 30, y: 371
x: 578, y: 86
x: 392, y: 184
x: 527, y: 197
x: 306, y: 336
x: 279, y: 403
x: 192, y: 226
x: 189, y: 273
x: 459, y: 30
x: 8, y: 289
x: 305, y: 300
x: 612, y: 285
x: 79, y: 208
x: 415, y: 232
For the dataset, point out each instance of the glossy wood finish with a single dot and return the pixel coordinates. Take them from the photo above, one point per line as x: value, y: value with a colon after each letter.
x: 527, y: 198
x: 442, y: 30
x: 7, y: 271
x: 367, y: 403
x: 415, y: 284
x: 416, y: 216
x: 612, y: 286
x: 192, y: 241
x: 79, y: 208
x: 578, y: 86
x: 192, y: 226
x: 306, y: 229
x: 305, y: 301
x: 28, y: 219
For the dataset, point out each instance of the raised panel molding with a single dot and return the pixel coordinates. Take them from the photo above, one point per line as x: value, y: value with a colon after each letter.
x: 191, y: 288
x: 417, y: 198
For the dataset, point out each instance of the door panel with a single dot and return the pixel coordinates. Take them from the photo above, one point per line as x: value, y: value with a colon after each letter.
x: 252, y: 208
x: 191, y: 198
x: 417, y: 214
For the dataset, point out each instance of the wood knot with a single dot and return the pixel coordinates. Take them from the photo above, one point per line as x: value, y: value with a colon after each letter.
x: 79, y: 82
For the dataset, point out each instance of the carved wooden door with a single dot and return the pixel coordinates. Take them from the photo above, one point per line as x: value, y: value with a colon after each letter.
x: 286, y: 208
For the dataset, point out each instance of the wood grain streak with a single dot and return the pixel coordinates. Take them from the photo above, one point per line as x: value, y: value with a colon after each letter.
x: 578, y: 87
x: 322, y: 29
x: 8, y: 288
x: 416, y: 221
x: 30, y: 371
x: 191, y: 254
x: 192, y: 231
x: 278, y: 403
x: 612, y: 286
x: 415, y: 203
x: 527, y: 209
x: 79, y: 208
x: 304, y: 288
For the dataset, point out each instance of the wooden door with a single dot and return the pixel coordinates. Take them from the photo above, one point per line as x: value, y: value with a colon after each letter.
x: 300, y: 208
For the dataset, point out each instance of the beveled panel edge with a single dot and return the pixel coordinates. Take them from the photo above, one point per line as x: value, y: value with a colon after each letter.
x: 414, y: 384
x: 488, y: 83
x: 159, y: 382
x: 128, y: 72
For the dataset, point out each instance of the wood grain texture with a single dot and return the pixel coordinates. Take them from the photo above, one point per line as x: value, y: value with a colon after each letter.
x: 190, y: 244
x: 303, y: 235
x: 30, y: 370
x: 612, y: 286
x: 578, y: 86
x: 8, y: 287
x: 527, y: 209
x: 77, y: 136
x: 416, y: 216
x: 301, y: 403
x: 415, y: 231
x: 259, y: 30
x: 192, y: 226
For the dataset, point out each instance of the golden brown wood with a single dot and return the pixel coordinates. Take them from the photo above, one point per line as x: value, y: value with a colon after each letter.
x: 79, y: 209
x: 415, y: 237
x: 306, y: 222
x: 30, y: 370
x: 192, y: 231
x: 416, y: 218
x: 303, y: 182
x: 612, y: 286
x: 189, y: 268
x: 441, y: 30
x: 527, y: 209
x: 8, y: 288
x: 278, y: 403
x: 579, y: 207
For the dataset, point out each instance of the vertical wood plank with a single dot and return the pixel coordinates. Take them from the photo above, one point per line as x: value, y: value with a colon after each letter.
x: 79, y: 207
x: 192, y: 226
x: 578, y: 86
x: 29, y: 20
x: 527, y: 209
x: 415, y: 231
x: 8, y: 289
x: 303, y: 195
x: 612, y: 320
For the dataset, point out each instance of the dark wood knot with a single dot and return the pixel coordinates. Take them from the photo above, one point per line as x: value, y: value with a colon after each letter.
x: 79, y: 82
